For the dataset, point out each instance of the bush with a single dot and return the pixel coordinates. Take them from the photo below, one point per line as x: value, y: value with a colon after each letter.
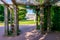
x: 56, y: 19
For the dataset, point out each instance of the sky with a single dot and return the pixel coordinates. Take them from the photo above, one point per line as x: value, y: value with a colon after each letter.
x: 29, y: 11
x: 8, y: 1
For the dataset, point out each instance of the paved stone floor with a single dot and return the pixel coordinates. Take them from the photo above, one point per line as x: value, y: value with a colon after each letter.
x: 28, y: 32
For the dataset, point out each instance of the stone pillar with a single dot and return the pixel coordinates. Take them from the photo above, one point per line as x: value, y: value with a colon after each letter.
x: 16, y: 25
x: 41, y: 19
x: 6, y: 20
x: 48, y: 18
x: 48, y: 6
x: 37, y: 11
x: 11, y: 21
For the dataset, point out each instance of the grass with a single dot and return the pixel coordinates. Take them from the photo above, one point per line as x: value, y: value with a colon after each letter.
x: 26, y: 22
x: 1, y: 24
x: 21, y: 22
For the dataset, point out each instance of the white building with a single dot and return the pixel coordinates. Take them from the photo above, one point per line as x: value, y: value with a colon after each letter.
x: 30, y: 17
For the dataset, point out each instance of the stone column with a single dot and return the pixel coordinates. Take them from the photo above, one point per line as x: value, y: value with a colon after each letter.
x: 37, y: 20
x: 6, y: 20
x: 37, y: 11
x: 16, y: 25
x: 41, y: 19
x: 48, y: 18
x: 11, y: 21
x: 48, y: 5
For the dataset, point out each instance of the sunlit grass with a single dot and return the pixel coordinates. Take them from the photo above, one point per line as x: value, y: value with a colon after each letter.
x: 21, y: 22
x: 1, y: 24
x: 26, y: 22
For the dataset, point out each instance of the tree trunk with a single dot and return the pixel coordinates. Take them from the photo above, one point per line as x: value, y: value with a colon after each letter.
x: 6, y: 20
x: 41, y: 19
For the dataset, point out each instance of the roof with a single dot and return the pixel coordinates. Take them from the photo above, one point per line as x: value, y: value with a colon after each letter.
x: 27, y: 2
x: 31, y: 2
x: 24, y: 2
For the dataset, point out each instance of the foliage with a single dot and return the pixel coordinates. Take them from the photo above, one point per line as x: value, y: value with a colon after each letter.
x: 56, y: 19
x: 41, y: 2
x: 22, y: 12
x: 1, y: 12
x: 22, y: 22
x: 45, y: 18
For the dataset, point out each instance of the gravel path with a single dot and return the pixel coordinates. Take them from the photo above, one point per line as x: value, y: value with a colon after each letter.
x: 28, y: 32
x: 53, y: 36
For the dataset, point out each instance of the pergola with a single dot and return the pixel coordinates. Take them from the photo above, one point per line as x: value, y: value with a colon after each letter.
x: 39, y: 7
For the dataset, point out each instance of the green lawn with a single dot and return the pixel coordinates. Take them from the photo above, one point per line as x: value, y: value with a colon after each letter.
x: 1, y: 24
x: 21, y: 22
x: 26, y: 22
